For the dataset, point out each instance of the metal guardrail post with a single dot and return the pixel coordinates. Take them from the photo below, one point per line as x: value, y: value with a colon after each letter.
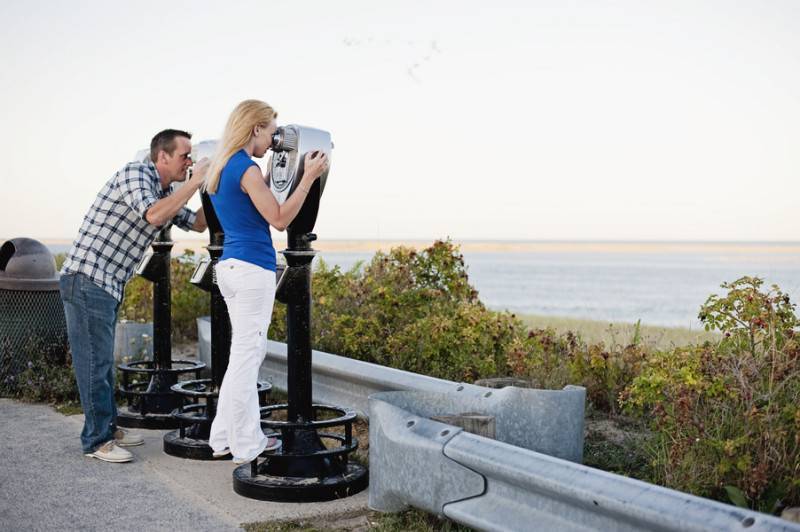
x: 548, y: 421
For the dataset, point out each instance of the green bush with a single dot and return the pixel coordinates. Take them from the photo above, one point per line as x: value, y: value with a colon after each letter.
x: 416, y: 311
x: 46, y: 375
x: 606, y: 371
x: 188, y: 301
x: 59, y: 258
x: 727, y: 415
x: 410, y: 310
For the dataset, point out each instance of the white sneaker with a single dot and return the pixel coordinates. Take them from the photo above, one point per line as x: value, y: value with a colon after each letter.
x: 272, y: 444
x: 127, y: 439
x: 111, y: 452
x: 220, y: 454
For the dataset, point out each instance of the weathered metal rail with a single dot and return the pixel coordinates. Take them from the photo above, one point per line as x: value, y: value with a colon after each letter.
x: 527, y: 479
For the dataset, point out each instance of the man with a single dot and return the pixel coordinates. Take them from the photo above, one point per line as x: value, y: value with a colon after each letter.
x: 125, y: 218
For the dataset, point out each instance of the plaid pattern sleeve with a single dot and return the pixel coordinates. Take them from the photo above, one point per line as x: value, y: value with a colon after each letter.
x: 114, y: 234
x: 185, y: 218
x: 136, y: 188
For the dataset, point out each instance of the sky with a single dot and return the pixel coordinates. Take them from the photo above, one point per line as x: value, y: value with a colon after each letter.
x: 530, y: 120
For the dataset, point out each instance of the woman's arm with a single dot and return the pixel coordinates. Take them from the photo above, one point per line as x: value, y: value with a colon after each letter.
x: 280, y: 216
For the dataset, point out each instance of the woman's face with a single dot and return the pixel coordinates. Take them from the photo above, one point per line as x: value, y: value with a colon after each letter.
x: 263, y: 136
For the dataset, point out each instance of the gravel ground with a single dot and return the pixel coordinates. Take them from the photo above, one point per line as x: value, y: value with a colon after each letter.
x: 47, y: 484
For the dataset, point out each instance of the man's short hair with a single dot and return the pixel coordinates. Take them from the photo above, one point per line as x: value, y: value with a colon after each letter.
x: 165, y: 140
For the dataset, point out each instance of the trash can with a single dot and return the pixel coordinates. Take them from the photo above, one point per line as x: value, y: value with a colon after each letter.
x: 32, y: 324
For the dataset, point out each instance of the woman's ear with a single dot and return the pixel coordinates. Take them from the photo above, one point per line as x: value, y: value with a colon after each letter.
x: 256, y: 131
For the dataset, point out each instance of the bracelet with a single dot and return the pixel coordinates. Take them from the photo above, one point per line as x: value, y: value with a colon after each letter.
x: 306, y: 190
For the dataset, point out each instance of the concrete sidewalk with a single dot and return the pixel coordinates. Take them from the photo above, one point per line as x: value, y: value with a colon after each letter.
x: 47, y: 484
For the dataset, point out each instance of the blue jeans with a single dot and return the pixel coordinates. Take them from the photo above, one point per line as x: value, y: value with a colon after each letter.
x: 91, y: 315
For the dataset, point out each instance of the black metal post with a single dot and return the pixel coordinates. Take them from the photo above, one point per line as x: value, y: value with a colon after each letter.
x: 299, y: 441
x: 151, y: 407
x: 163, y: 401
x: 298, y: 326
x: 220, y: 320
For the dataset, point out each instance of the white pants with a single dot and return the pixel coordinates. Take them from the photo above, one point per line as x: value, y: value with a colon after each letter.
x: 249, y: 293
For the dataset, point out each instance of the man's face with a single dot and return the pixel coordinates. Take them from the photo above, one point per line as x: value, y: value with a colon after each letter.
x: 175, y: 165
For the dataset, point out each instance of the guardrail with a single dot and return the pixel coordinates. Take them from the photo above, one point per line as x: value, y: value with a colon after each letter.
x: 522, y: 481
x: 490, y: 485
x: 548, y: 421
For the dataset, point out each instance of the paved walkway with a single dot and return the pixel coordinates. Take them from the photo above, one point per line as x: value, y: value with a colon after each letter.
x: 47, y: 484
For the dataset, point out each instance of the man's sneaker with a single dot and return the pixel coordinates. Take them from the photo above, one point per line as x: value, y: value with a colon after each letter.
x: 127, y: 439
x: 272, y: 444
x: 111, y: 452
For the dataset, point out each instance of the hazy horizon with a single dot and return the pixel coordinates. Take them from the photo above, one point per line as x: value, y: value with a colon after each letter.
x: 184, y: 236
x: 778, y: 252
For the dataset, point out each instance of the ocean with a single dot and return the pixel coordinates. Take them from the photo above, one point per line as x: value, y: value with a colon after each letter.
x: 663, y: 288
x: 659, y: 284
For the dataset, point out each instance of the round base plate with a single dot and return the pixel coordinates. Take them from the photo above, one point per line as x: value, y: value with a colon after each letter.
x: 188, y: 447
x: 135, y: 420
x: 297, y: 489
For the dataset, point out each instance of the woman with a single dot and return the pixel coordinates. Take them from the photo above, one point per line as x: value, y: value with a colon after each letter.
x: 246, y: 209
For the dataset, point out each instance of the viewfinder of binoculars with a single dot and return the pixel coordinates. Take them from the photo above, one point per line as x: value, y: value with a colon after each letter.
x: 290, y: 144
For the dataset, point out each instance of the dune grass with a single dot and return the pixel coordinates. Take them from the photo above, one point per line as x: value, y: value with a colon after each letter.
x: 593, y: 331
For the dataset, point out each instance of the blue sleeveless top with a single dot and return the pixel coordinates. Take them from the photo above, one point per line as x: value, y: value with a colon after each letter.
x: 247, y: 235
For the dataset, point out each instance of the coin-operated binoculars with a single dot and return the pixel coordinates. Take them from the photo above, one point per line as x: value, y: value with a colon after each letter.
x: 304, y: 468
x: 147, y: 384
x: 198, y: 406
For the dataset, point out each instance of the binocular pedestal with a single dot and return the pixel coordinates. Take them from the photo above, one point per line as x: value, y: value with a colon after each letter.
x: 147, y: 384
x: 197, y: 406
x: 311, y: 465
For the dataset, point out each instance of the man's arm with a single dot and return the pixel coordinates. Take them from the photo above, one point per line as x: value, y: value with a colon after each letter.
x: 200, y: 222
x: 165, y: 209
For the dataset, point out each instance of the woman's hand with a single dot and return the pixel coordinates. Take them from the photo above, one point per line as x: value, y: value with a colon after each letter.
x: 315, y: 164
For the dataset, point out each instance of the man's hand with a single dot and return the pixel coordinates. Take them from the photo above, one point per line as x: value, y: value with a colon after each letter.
x: 199, y: 172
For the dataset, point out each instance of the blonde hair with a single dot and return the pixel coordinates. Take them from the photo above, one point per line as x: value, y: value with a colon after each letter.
x: 238, y: 131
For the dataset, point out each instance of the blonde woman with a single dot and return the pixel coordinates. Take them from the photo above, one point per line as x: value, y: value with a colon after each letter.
x: 245, y: 272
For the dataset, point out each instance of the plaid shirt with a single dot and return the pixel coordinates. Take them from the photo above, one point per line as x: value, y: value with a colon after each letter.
x: 115, y: 235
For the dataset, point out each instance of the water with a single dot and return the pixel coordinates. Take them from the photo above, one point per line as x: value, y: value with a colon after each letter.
x: 659, y: 287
